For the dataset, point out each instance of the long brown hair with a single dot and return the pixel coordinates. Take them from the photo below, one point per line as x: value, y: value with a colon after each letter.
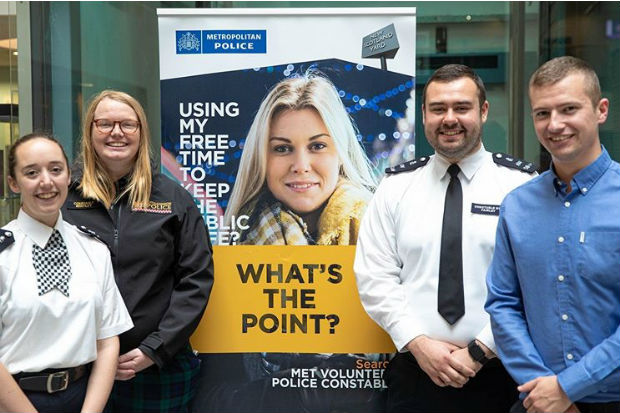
x: 96, y: 182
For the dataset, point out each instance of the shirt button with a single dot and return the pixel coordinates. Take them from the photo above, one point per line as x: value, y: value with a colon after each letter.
x: 584, y: 190
x: 566, y: 204
x: 560, y: 278
x: 564, y: 317
x: 569, y: 356
x: 560, y: 239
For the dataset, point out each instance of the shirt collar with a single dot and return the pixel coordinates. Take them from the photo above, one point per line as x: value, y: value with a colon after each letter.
x: 38, y: 232
x: 584, y: 180
x: 469, y: 165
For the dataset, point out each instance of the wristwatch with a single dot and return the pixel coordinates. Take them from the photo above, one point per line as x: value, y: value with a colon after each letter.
x: 476, y: 352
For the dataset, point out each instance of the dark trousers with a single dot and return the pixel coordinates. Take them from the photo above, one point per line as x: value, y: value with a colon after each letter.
x: 611, y: 407
x: 411, y: 390
x: 66, y: 401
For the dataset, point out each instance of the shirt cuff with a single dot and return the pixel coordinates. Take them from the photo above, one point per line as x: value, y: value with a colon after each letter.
x: 486, y: 338
x: 154, y: 348
x: 576, y: 382
x: 403, y: 332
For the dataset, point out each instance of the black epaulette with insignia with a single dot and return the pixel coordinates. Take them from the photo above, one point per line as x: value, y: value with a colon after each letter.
x: 89, y: 232
x: 408, y: 166
x: 513, y: 163
x: 6, y: 239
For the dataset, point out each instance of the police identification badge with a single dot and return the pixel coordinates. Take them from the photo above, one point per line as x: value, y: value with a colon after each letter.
x: 154, y: 207
x: 484, y: 209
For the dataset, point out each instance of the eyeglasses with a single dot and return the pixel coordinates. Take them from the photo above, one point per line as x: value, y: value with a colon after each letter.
x: 107, y: 125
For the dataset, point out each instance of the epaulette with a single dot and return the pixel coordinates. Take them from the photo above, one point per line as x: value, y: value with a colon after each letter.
x: 6, y: 239
x: 513, y: 163
x: 408, y: 166
x: 89, y: 232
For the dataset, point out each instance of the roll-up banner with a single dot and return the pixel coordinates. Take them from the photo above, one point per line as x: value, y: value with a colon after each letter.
x: 280, y: 122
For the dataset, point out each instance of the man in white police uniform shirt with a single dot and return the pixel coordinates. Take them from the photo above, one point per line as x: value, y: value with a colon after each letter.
x: 421, y: 273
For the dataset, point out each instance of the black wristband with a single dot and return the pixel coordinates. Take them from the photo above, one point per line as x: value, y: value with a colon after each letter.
x: 476, y: 352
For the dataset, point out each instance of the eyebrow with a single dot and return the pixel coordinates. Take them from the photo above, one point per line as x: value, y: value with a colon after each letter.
x: 34, y: 165
x: 311, y: 138
x: 462, y: 102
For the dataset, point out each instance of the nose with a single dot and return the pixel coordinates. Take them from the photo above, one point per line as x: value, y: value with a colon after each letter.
x: 556, y: 121
x: 449, y: 117
x: 45, y: 178
x: 116, y: 129
x: 301, y: 162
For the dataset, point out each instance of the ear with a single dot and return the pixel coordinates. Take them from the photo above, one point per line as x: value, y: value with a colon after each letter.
x: 484, y: 111
x: 13, y: 185
x: 602, y: 110
x: 423, y: 117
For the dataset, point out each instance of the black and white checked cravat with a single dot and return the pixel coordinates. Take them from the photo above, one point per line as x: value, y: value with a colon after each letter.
x: 52, y: 265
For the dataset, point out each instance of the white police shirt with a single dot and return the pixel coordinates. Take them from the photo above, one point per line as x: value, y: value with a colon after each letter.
x: 397, y: 255
x: 52, y: 330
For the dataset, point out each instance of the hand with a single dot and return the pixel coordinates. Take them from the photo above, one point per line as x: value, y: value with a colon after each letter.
x: 131, y: 363
x: 545, y: 395
x: 461, y: 357
x: 435, y: 358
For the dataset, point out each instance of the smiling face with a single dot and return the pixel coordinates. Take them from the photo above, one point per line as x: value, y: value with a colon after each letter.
x: 302, y: 161
x: 116, y: 149
x: 453, y: 118
x: 566, y: 123
x: 42, y: 177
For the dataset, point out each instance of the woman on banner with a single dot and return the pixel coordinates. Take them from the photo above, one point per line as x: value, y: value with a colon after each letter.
x: 160, y: 250
x: 303, y: 179
x: 60, y: 310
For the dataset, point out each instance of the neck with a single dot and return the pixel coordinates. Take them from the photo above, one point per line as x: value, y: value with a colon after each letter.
x: 116, y: 172
x: 568, y: 169
x: 312, y: 221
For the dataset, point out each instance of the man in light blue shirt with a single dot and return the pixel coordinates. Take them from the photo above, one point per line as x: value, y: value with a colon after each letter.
x: 554, y: 281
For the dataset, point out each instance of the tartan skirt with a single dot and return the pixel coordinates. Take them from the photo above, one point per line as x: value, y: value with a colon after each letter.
x: 169, y: 389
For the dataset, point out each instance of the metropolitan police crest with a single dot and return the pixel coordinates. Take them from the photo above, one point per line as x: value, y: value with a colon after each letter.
x: 188, y: 41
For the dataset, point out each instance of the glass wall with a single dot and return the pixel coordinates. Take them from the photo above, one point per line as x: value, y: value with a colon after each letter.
x: 69, y: 51
x: 9, y: 101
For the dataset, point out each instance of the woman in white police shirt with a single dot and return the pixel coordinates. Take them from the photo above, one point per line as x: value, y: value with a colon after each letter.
x: 60, y: 309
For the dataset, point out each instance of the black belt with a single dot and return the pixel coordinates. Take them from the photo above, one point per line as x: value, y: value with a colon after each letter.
x: 50, y: 380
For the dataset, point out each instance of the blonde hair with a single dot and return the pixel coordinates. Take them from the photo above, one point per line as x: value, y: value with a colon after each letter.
x: 309, y: 91
x: 96, y: 182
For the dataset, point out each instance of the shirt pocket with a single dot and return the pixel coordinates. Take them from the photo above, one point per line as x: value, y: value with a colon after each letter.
x: 599, y: 256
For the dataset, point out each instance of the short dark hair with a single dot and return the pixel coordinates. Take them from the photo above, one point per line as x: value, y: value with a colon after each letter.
x: 26, y: 138
x: 558, y: 68
x: 452, y: 72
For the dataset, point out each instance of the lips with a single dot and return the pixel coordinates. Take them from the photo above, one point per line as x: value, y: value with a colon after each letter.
x: 301, y: 186
x: 46, y: 195
x: 559, y: 138
x: 451, y: 132
x: 116, y: 144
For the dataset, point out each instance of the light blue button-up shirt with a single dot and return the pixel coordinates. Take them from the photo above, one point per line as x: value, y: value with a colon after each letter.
x: 554, y: 282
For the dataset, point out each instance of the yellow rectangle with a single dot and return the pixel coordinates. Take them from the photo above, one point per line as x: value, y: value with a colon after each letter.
x: 299, y: 299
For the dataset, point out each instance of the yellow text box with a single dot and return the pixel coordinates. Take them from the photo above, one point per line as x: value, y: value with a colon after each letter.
x: 299, y: 299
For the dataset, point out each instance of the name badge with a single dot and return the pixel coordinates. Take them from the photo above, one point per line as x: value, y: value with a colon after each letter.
x: 484, y: 209
x: 154, y: 208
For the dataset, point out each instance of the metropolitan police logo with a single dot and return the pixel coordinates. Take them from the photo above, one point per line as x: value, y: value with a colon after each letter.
x: 188, y: 41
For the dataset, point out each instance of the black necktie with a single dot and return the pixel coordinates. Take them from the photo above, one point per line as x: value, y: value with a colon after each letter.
x: 52, y: 266
x: 451, y: 300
